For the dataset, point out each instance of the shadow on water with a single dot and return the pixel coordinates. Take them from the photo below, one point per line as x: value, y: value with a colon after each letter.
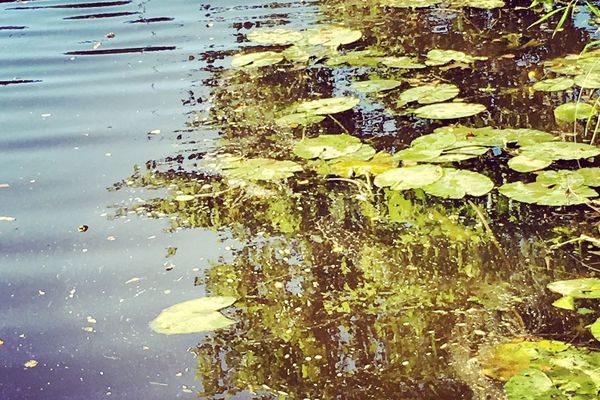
x: 348, y: 293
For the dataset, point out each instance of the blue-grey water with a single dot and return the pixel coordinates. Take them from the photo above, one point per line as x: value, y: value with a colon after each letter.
x: 81, y: 86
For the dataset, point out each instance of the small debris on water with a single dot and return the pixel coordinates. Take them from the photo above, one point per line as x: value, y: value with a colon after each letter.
x: 83, y: 228
x: 169, y: 266
x: 1, y: 342
x: 31, y: 364
x: 46, y: 115
x: 4, y: 185
x: 6, y: 218
x: 110, y: 35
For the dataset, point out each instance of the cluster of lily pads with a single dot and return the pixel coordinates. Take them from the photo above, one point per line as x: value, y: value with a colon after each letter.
x: 544, y: 370
x: 482, y: 4
x: 574, y: 289
x: 581, y: 70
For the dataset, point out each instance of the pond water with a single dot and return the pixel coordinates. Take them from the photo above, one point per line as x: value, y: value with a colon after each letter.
x: 126, y: 136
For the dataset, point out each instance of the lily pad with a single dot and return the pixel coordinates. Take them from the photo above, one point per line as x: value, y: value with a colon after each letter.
x: 332, y: 105
x: 584, y: 288
x: 559, y: 151
x: 569, y: 112
x: 375, y: 85
x: 411, y: 3
x: 591, y: 176
x: 456, y: 184
x: 328, y: 146
x: 331, y: 36
x: 367, y: 58
x: 277, y: 36
x: 482, y: 4
x: 565, y: 303
x: 449, y: 110
x: 193, y: 316
x: 403, y: 62
x: 299, y: 119
x: 428, y: 94
x: 595, y: 329
x: 554, y: 85
x: 260, y: 169
x: 412, y: 177
x: 255, y: 60
x: 349, y: 166
x: 523, y: 163
x: 441, y: 57
x: 531, y: 384
x: 537, y: 193
x: 588, y: 80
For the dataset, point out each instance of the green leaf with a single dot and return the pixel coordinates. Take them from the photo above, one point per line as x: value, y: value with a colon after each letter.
x: 428, y: 94
x: 441, y: 57
x: 559, y: 151
x: 261, y: 169
x: 483, y: 4
x: 595, y: 329
x: 328, y: 146
x: 437, y: 140
x: 255, y: 60
x: 531, y: 384
x: 588, y: 80
x: 375, y: 85
x: 591, y: 176
x: 348, y: 167
x: 411, y: 3
x: 449, y: 110
x: 402, y: 62
x: 366, y: 58
x: 417, y: 154
x: 332, y: 105
x: 554, y: 85
x: 412, y: 177
x: 277, y: 36
x: 331, y: 36
x: 583, y: 288
x: 193, y: 316
x: 522, y: 163
x: 565, y: 303
x: 456, y: 184
x: 538, y: 193
x: 569, y: 112
x: 299, y: 119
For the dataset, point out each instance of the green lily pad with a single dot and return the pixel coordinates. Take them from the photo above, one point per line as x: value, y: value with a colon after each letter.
x: 588, y: 80
x: 332, y: 105
x: 403, y: 62
x: 193, y: 316
x: 412, y: 177
x: 349, y: 166
x: 255, y: 60
x: 591, y: 176
x: 584, y: 288
x: 276, y: 36
x: 428, y: 94
x: 437, y: 140
x: 456, y: 184
x: 526, y: 137
x: 449, y: 110
x: 375, y: 85
x: 441, y: 57
x: 559, y: 151
x: 328, y: 146
x: 565, y: 303
x: 531, y: 384
x: 537, y: 193
x: 299, y: 119
x: 417, y: 154
x: 554, y: 85
x: 260, y: 169
x: 482, y: 4
x: 411, y: 3
x: 595, y: 329
x: 523, y: 163
x: 331, y: 36
x: 569, y: 112
x: 366, y: 58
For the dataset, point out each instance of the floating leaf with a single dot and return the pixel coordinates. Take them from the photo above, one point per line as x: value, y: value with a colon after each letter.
x: 413, y: 177
x: 523, y: 163
x: 332, y: 105
x: 299, y: 119
x: 328, y: 146
x: 531, y: 384
x: 456, y: 184
x: 375, y: 85
x: 261, y: 59
x: 569, y: 112
x: 411, y: 3
x: 559, y: 151
x: 417, y: 154
x: 428, y: 94
x: 402, y: 62
x: 591, y: 176
x: 449, y: 110
x: 584, y: 288
x: 483, y: 4
x: 331, y: 36
x: 565, y: 303
x: 277, y: 36
x: 595, y: 329
x: 262, y: 169
x: 441, y: 57
x: 554, y: 85
x: 436, y: 140
x: 588, y: 80
x: 193, y: 316
x: 347, y: 167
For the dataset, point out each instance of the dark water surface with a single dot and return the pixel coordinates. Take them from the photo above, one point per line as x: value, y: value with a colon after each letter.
x: 81, y: 86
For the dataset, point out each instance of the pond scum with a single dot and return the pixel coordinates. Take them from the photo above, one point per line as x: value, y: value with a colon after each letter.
x: 414, y: 186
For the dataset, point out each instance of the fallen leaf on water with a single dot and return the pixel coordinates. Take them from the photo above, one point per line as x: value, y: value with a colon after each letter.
x: 154, y: 132
x: 132, y: 280
x: 31, y: 364
x: 1, y: 342
x: 4, y: 218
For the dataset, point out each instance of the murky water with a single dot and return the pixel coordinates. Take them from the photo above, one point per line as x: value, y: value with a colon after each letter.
x: 343, y: 293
